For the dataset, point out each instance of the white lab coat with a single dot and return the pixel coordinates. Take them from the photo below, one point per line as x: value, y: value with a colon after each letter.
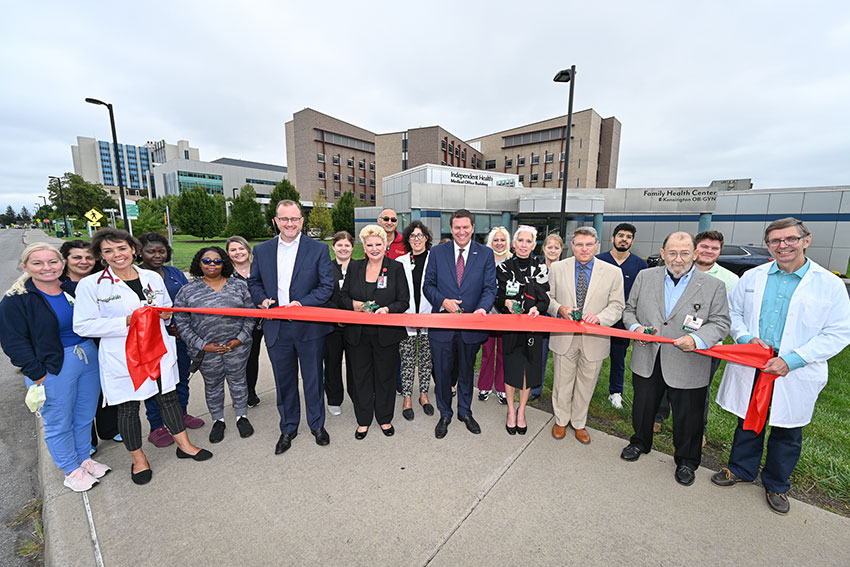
x: 817, y: 328
x: 102, y: 304
x: 424, y: 304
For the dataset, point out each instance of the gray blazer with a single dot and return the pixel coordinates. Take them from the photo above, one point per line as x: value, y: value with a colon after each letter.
x: 704, y: 297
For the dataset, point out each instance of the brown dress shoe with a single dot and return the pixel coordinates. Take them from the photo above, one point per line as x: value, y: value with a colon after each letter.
x: 583, y: 436
x: 656, y: 427
x: 559, y: 431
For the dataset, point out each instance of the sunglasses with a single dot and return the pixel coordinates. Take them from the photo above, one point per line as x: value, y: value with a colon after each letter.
x: 209, y: 261
x: 389, y: 219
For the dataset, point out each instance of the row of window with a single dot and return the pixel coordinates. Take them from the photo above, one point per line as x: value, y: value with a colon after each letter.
x: 520, y: 161
x: 345, y: 141
x: 452, y: 149
x: 350, y: 179
x: 361, y: 164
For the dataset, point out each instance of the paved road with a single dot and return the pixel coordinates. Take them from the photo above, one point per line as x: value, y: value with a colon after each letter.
x: 18, y: 441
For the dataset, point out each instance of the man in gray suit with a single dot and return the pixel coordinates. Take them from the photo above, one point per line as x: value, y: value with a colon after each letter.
x: 684, y: 304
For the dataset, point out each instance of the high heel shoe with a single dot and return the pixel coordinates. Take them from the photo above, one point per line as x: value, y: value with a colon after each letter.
x: 521, y: 430
x: 510, y: 430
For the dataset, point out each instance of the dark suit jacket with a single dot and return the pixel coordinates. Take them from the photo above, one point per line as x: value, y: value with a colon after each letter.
x: 395, y: 296
x: 312, y: 284
x: 477, y: 289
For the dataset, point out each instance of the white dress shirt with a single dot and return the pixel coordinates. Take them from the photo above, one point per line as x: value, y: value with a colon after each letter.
x: 465, y: 252
x: 286, y: 253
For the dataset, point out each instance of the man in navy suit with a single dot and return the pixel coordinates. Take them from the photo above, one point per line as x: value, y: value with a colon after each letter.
x: 288, y: 271
x: 460, y: 277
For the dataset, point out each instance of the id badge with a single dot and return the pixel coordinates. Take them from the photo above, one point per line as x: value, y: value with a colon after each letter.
x: 341, y: 282
x: 692, y: 324
x: 382, y: 282
x: 512, y: 288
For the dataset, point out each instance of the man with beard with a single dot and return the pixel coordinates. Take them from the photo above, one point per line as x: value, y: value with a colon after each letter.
x: 388, y: 220
x: 630, y: 264
x: 682, y: 303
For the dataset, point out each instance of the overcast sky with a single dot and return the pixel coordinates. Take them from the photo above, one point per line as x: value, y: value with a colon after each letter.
x: 729, y: 90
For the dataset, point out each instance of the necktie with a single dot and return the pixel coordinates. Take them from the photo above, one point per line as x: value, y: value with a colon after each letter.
x: 581, y: 288
x: 460, y: 266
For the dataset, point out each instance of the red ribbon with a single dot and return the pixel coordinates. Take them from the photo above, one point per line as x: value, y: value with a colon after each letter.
x: 145, y: 347
x: 753, y: 355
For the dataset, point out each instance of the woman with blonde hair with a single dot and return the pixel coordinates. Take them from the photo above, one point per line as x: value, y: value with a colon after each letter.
x: 242, y: 255
x: 36, y: 316
x: 492, y: 353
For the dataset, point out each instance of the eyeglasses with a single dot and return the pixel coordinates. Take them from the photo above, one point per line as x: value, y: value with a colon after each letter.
x: 790, y: 241
x: 285, y: 220
x: 209, y: 261
x: 684, y: 255
x: 389, y: 219
x: 625, y: 235
x: 417, y: 236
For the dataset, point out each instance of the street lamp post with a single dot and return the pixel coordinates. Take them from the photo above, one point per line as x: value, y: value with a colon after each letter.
x: 43, y: 198
x: 566, y: 76
x: 62, y: 201
x: 117, y: 160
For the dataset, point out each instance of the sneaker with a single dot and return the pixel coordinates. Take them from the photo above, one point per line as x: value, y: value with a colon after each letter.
x: 334, y: 410
x: 503, y: 399
x: 253, y: 400
x: 483, y: 395
x: 160, y: 437
x: 616, y: 400
x: 95, y: 469
x: 244, y: 426
x: 192, y: 422
x: 80, y: 480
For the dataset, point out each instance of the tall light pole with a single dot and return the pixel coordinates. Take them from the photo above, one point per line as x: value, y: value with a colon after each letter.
x: 43, y: 198
x: 566, y: 76
x: 61, y: 200
x: 117, y: 160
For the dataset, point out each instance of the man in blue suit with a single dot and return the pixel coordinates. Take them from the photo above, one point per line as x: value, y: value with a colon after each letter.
x: 294, y: 270
x: 460, y: 277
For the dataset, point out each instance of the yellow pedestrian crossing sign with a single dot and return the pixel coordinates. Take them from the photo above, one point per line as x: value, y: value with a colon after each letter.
x: 94, y: 216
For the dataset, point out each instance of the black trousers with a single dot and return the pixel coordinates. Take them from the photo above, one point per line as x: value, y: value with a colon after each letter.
x: 105, y: 424
x: 334, y: 350
x: 373, y: 379
x: 688, y: 406
x: 130, y: 426
x: 252, y: 367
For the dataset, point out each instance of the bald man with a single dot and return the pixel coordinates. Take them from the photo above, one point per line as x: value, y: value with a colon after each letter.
x: 388, y: 220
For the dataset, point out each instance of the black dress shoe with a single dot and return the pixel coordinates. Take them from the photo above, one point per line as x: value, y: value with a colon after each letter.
x: 427, y: 408
x: 471, y: 424
x: 360, y: 434
x: 244, y: 426
x: 322, y: 437
x: 407, y: 414
x: 142, y: 477
x: 631, y: 453
x: 510, y: 430
x: 685, y: 475
x: 217, y: 431
x: 442, y: 428
x: 202, y: 455
x: 389, y: 431
x: 284, y: 443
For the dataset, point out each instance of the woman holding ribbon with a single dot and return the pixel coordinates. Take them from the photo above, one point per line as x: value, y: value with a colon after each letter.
x: 492, y: 352
x: 374, y: 285
x: 36, y: 316
x: 523, y: 286
x: 105, y: 304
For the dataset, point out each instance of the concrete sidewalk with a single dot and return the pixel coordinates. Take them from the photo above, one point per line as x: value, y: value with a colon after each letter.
x: 410, y: 499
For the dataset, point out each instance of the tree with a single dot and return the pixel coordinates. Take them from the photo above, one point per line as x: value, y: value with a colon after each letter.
x: 200, y: 214
x: 281, y: 191
x: 320, y: 216
x: 9, y: 217
x: 79, y: 196
x: 342, y: 213
x: 151, y: 216
x: 246, y: 215
x: 24, y: 215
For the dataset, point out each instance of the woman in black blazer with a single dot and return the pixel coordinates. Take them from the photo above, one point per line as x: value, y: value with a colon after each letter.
x: 378, y: 285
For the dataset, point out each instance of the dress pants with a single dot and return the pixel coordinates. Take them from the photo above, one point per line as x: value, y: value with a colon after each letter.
x: 252, y: 367
x: 492, y: 353
x: 373, y: 371
x: 539, y: 389
x: 444, y: 355
x: 286, y: 354
x: 334, y: 350
x: 663, y: 411
x: 688, y: 406
x: 783, y: 451
x: 619, y: 346
x: 152, y: 409
x: 573, y: 385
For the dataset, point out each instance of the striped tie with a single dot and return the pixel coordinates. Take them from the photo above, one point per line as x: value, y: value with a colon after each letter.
x: 581, y: 288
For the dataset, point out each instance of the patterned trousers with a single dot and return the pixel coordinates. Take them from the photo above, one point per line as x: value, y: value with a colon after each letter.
x: 415, y: 353
x: 230, y: 366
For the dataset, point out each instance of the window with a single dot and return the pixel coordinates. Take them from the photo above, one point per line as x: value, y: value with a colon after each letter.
x: 320, y: 158
x: 336, y: 160
x: 351, y: 180
x: 556, y: 133
x: 549, y: 158
x: 579, y: 142
x: 372, y: 182
x: 463, y: 154
x: 362, y: 196
x: 520, y: 161
x: 361, y: 165
x: 535, y: 160
x: 563, y: 156
x: 535, y: 177
x: 521, y: 178
x: 321, y: 175
x: 372, y: 166
x: 579, y: 163
x: 362, y: 181
x: 452, y: 148
x: 336, y: 177
x: 490, y: 164
x: 478, y: 163
x: 457, y: 151
x: 443, y: 145
x: 560, y: 176
x: 337, y: 194
x: 349, y: 162
x: 372, y: 197
x: 509, y: 162
x: 442, y: 162
x: 547, y: 176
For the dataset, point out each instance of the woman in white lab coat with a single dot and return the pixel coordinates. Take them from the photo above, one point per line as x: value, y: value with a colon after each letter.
x: 105, y: 302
